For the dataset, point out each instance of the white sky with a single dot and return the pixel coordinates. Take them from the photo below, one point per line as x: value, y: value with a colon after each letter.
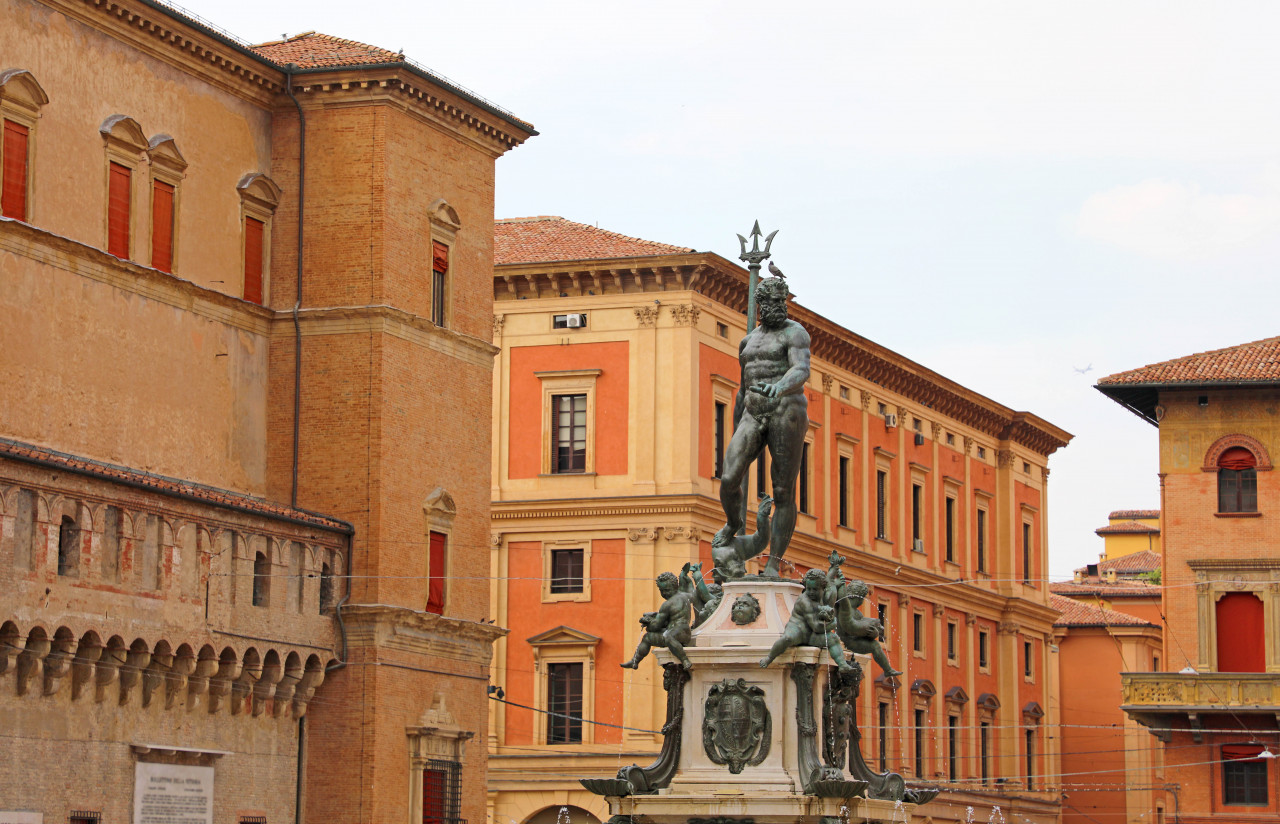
x: 1003, y: 191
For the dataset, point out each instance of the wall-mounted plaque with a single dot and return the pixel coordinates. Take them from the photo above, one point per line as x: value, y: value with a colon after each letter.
x: 172, y: 794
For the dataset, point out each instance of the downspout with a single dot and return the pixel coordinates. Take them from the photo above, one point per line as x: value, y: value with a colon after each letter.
x: 297, y: 795
x: 297, y: 305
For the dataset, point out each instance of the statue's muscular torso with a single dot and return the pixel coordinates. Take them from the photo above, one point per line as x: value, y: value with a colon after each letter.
x: 765, y: 357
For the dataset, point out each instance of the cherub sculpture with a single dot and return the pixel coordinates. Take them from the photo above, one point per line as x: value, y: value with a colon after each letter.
x: 730, y: 555
x: 812, y: 624
x: 857, y: 632
x: 669, y: 626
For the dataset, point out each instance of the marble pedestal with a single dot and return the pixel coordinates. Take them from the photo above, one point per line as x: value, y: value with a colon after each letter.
x: 735, y: 764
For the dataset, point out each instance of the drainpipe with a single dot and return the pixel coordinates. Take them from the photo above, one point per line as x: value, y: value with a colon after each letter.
x: 297, y: 329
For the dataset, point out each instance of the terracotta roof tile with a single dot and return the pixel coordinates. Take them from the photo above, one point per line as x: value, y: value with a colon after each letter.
x: 16, y: 450
x: 313, y: 50
x: 1126, y: 528
x: 1081, y: 614
x: 1131, y: 514
x: 547, y: 238
x: 1256, y: 362
x: 1144, y: 561
x: 1123, y: 589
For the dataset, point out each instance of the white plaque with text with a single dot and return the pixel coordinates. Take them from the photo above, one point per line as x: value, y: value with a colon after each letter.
x: 170, y: 794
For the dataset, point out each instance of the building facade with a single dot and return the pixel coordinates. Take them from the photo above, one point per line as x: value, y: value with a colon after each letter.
x: 1215, y: 698
x: 613, y: 398
x: 241, y: 286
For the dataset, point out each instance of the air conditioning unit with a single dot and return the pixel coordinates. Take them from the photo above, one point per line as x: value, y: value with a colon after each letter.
x: 574, y: 321
x: 890, y: 420
x: 918, y: 545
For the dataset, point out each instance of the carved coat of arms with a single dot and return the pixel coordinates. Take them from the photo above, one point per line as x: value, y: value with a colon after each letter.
x: 736, y: 727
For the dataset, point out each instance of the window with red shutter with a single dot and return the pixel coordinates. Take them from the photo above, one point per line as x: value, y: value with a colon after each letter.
x: 439, y: 280
x: 162, y: 226
x: 13, y: 190
x: 121, y: 185
x: 435, y: 572
x: 253, y: 235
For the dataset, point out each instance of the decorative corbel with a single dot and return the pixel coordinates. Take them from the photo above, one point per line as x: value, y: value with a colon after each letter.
x: 58, y: 663
x: 33, y: 653
x: 82, y: 668
x: 136, y: 660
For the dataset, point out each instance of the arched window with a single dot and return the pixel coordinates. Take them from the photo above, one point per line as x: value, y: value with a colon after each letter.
x: 68, y: 547
x: 261, y: 579
x: 20, y: 101
x: 1237, y: 481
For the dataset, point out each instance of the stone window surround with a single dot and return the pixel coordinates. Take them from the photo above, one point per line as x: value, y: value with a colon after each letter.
x: 438, y: 511
x: 436, y: 737
x: 126, y: 144
x: 566, y: 543
x: 568, y: 382
x: 563, y: 645
x: 445, y: 225
x: 723, y: 390
x: 259, y: 197
x: 845, y: 446
x: 167, y: 165
x: 1216, y: 577
x: 21, y: 98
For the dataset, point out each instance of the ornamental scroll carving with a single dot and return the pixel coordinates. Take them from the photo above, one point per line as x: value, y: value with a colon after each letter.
x: 643, y: 535
x: 498, y: 322
x: 686, y: 314
x: 866, y: 400
x: 1214, y: 453
x: 827, y: 382
x: 1004, y: 458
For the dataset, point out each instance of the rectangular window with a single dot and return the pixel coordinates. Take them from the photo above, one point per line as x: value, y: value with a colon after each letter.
x: 953, y: 748
x: 917, y: 516
x: 917, y: 632
x: 1028, y: 668
x: 13, y: 187
x: 1026, y: 553
x: 884, y: 736
x: 951, y: 641
x: 718, y: 423
x: 1031, y: 759
x: 951, y: 529
x: 1237, y: 490
x: 569, y: 433
x: 882, y: 611
x: 441, y: 792
x: 1244, y: 776
x: 119, y: 197
x: 984, y: 749
x: 982, y: 648
x: 436, y: 562
x: 981, y: 560
x: 566, y: 571
x: 919, y: 754
x: 880, y: 504
x: 254, y: 236
x: 439, y: 282
x: 161, y: 226
x: 722, y: 329
x: 564, y: 702
x: 804, y: 477
x: 844, y: 490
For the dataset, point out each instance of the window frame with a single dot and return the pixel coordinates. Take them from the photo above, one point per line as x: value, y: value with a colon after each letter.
x: 568, y: 382
x: 124, y: 145
x: 549, y: 548
x: 919, y: 634
x: 21, y: 101
x: 563, y: 645
x: 259, y: 198
x: 981, y: 530
x: 1241, y: 478
x: 166, y: 166
x: 445, y: 226
x: 438, y: 510
x: 953, y: 642
x: 1256, y: 766
x: 846, y: 446
x: 719, y: 410
x: 984, y: 650
x: 804, y: 489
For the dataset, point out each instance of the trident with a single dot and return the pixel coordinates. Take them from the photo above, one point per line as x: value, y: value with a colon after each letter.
x: 753, y: 259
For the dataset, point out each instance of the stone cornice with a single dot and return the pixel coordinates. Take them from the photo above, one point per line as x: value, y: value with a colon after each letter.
x: 388, y: 320
x: 716, y: 278
x: 419, y: 632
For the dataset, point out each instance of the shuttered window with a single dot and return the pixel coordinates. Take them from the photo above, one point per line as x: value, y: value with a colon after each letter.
x: 118, y: 211
x: 13, y: 194
x: 253, y: 237
x: 438, y: 545
x: 439, y: 281
x: 162, y: 226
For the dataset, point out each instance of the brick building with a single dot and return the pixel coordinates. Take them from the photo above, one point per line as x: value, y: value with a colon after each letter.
x: 1215, y: 698
x: 203, y: 434
x: 613, y: 399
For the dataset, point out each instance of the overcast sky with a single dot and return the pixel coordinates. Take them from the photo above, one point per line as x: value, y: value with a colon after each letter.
x: 1007, y: 193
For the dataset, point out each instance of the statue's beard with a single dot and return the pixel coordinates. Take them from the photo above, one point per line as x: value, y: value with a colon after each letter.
x: 773, y: 314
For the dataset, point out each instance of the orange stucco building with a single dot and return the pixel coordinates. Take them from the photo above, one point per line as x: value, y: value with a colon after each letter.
x: 613, y: 398
x: 1215, y: 698
x: 246, y: 293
